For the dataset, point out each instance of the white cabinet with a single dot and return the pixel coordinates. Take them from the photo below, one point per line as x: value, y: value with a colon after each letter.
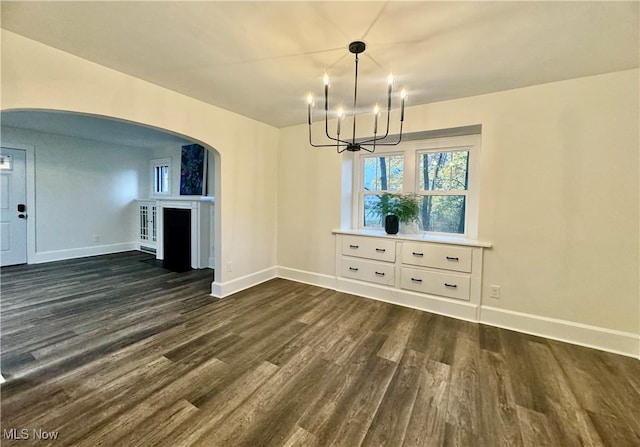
x: 437, y: 283
x: 376, y: 272
x: 369, y: 248
x: 147, y: 227
x: 368, y: 259
x: 442, y: 275
x: 438, y: 256
x: 439, y: 262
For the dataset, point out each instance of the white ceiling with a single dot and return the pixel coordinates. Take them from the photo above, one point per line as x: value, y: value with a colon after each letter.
x: 260, y: 59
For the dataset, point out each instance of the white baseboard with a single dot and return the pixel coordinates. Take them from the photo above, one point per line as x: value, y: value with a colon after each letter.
x: 315, y: 279
x: 2, y: 379
x: 618, y: 342
x: 61, y: 255
x: 220, y: 290
x: 462, y: 310
x: 625, y: 343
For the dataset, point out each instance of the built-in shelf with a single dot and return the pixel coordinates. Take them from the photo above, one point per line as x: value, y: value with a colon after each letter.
x: 418, y: 237
x: 438, y: 274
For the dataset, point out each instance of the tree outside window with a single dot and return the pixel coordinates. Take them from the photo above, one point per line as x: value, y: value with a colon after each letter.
x: 443, y: 172
x: 381, y: 174
x: 443, y: 185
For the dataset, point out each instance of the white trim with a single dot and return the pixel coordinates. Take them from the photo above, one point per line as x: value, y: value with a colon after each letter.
x: 619, y: 342
x: 200, y: 244
x: 462, y: 310
x: 60, y: 255
x: 410, y: 150
x: 2, y: 379
x: 314, y: 279
x: 159, y: 162
x: 610, y: 340
x: 221, y: 290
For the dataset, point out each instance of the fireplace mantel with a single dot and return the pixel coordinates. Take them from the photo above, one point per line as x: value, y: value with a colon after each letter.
x: 185, y: 199
x: 202, y: 209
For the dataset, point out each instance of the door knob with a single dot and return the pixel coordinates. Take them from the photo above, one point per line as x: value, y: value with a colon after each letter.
x: 22, y: 216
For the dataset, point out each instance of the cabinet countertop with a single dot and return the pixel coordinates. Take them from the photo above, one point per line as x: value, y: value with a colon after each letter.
x: 420, y: 237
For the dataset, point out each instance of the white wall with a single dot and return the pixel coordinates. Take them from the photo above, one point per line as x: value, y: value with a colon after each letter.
x: 35, y: 76
x: 83, y: 189
x: 559, y: 197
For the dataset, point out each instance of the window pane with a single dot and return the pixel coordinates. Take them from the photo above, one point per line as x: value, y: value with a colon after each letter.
x: 443, y: 214
x: 161, y: 178
x: 156, y: 173
x: 444, y: 171
x: 371, y: 218
x: 165, y: 179
x: 383, y: 173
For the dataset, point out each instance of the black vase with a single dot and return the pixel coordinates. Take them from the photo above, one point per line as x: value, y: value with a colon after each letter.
x: 391, y: 224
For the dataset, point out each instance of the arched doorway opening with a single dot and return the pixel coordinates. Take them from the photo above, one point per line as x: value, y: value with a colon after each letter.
x: 84, y: 174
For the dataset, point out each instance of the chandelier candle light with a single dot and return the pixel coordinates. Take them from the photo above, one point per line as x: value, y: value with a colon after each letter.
x: 368, y: 145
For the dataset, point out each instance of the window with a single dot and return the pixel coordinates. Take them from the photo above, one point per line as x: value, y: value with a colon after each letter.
x: 161, y: 176
x: 443, y: 185
x: 381, y: 174
x: 443, y: 172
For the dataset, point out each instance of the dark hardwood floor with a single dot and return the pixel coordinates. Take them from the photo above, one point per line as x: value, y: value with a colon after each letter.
x: 116, y: 351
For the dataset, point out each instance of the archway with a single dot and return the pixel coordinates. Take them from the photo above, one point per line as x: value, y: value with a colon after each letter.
x: 20, y: 125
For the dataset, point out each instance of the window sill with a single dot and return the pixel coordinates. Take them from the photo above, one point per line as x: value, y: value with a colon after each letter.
x: 421, y: 237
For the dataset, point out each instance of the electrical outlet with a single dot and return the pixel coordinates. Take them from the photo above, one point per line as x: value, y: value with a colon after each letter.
x: 229, y: 266
x: 494, y: 291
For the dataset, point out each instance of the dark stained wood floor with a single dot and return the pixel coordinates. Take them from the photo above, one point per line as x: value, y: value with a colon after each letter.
x: 116, y: 351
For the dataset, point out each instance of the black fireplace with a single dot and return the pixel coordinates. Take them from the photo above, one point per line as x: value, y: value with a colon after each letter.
x: 177, y: 239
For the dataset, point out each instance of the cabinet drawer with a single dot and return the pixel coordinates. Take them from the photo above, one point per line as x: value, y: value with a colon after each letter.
x: 377, y: 272
x: 437, y: 256
x: 450, y: 285
x: 369, y: 248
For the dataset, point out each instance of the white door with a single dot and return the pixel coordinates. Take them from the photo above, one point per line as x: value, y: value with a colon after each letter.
x: 13, y: 207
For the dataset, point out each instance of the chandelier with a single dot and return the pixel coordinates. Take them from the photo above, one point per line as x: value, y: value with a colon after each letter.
x: 352, y: 145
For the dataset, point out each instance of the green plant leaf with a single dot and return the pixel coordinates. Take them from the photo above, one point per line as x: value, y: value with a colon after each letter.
x: 405, y: 206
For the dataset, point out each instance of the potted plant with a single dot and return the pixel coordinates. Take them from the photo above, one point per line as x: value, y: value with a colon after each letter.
x: 397, y: 208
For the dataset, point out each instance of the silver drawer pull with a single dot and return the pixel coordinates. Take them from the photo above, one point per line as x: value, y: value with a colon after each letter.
x: 453, y: 286
x: 380, y: 273
x: 451, y: 258
x: 353, y: 246
x: 353, y: 269
x: 381, y: 250
x: 416, y: 280
x: 415, y: 253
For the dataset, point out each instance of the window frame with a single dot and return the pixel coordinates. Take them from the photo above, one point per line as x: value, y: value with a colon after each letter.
x: 411, y: 150
x: 158, y: 163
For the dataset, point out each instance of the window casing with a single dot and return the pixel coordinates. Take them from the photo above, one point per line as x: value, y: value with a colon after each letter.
x: 161, y: 177
x: 442, y: 171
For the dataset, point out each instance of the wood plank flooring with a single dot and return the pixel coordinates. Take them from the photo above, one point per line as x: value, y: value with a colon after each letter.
x: 116, y: 351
